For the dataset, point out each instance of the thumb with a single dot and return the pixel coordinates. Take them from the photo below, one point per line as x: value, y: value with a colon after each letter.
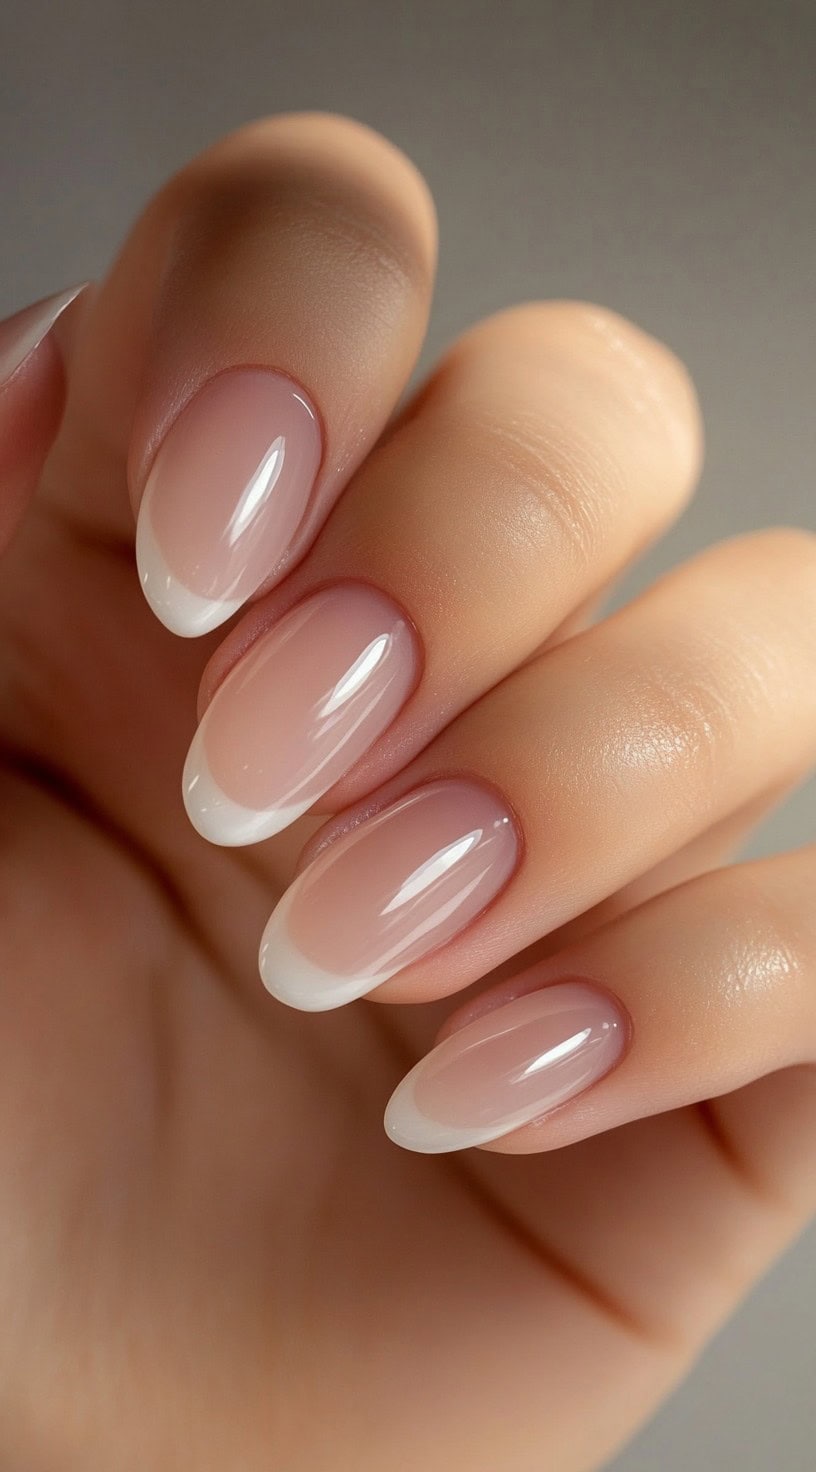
x: 32, y: 395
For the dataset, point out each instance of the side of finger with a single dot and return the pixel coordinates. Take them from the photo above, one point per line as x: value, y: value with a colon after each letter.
x: 718, y: 845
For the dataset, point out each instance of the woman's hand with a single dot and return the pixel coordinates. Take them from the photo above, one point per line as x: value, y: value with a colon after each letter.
x: 212, y: 1256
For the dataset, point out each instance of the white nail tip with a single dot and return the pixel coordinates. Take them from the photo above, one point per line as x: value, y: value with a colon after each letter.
x: 295, y: 980
x: 181, y: 611
x: 37, y: 320
x: 55, y: 306
x: 408, y: 1127
x: 217, y: 817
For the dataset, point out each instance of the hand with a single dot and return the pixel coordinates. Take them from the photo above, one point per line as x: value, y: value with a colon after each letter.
x: 212, y: 1255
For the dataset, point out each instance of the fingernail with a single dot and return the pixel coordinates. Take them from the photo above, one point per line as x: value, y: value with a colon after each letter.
x: 297, y: 712
x: 22, y: 333
x: 391, y: 891
x: 227, y: 490
x: 508, y: 1068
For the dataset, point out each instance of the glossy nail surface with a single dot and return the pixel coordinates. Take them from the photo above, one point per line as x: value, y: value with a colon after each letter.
x: 227, y: 490
x: 22, y: 333
x: 508, y: 1068
x: 297, y: 711
x: 389, y: 892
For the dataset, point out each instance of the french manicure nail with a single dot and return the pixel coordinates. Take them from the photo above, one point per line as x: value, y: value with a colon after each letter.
x: 392, y: 890
x: 226, y: 492
x: 22, y: 333
x: 297, y: 711
x: 509, y: 1067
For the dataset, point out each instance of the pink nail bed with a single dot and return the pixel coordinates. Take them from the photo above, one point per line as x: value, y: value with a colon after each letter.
x: 508, y: 1068
x: 297, y: 711
x: 226, y: 493
x: 392, y: 890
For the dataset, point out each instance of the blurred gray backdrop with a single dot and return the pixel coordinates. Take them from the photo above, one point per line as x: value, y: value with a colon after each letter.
x: 654, y: 156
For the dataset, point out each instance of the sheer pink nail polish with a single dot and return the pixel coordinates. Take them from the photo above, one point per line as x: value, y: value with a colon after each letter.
x: 386, y: 894
x: 227, y: 490
x: 297, y: 711
x: 508, y: 1068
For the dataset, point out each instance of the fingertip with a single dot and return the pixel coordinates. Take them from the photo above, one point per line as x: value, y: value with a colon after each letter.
x: 351, y: 153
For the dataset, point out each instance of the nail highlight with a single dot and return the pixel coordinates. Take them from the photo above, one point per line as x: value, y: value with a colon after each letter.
x: 388, y: 893
x: 22, y: 333
x: 297, y: 711
x: 508, y: 1068
x: 226, y: 493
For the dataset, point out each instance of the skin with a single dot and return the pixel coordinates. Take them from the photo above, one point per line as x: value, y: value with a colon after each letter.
x: 210, y: 1254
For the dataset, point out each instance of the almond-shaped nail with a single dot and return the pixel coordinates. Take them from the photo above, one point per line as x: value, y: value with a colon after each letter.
x: 507, y: 1068
x: 224, y: 497
x: 22, y: 333
x: 386, y: 894
x: 297, y: 711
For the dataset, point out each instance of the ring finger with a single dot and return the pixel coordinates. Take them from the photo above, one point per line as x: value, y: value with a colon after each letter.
x: 584, y: 769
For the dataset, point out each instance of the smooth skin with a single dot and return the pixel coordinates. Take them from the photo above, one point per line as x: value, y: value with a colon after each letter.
x: 210, y: 1254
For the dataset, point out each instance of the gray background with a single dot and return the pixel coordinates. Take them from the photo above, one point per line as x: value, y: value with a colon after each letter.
x: 655, y: 157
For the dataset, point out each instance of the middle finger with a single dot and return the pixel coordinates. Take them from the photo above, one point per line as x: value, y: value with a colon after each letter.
x: 554, y: 441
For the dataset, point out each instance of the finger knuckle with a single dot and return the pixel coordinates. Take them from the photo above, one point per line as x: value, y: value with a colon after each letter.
x: 675, y: 719
x: 549, y: 484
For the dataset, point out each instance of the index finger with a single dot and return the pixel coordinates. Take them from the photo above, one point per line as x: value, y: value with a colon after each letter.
x: 247, y: 349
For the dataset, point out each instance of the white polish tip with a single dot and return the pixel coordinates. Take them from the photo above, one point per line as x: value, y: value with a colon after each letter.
x: 181, y: 611
x: 409, y: 1128
x: 290, y: 977
x: 217, y: 817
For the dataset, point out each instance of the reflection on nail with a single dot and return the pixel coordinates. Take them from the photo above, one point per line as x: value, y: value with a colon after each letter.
x: 507, y: 1068
x: 227, y: 491
x: 394, y: 889
x: 297, y: 711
